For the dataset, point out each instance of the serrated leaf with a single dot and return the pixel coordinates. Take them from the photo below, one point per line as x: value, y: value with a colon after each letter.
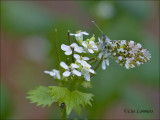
x: 41, y: 96
x: 72, y: 99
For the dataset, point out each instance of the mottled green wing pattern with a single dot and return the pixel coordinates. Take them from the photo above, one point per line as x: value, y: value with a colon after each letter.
x: 128, y: 54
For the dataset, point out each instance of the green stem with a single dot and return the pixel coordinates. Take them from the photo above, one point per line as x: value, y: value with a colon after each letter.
x: 97, y: 66
x: 58, y: 56
x: 56, y: 46
x: 70, y: 44
x: 63, y: 113
x: 67, y: 61
x: 57, y: 82
x: 72, y: 84
x: 91, y: 59
x: 91, y: 63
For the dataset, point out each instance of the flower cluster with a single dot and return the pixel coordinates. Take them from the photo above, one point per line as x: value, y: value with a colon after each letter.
x: 80, y: 67
x: 128, y: 54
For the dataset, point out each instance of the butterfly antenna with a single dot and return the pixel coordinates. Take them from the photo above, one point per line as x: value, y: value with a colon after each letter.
x: 97, y: 27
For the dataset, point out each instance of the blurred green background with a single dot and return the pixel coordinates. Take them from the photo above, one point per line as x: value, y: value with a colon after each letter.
x: 27, y: 49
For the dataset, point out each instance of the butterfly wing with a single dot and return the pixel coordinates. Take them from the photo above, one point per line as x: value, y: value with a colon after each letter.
x: 128, y: 54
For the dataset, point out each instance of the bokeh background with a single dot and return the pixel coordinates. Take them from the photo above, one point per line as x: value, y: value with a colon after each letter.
x: 27, y: 49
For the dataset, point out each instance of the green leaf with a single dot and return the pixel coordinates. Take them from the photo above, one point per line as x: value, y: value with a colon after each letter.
x: 41, y: 96
x: 72, y: 99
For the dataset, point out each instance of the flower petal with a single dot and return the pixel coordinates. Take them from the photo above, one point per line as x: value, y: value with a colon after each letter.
x: 71, y: 34
x: 87, y: 76
x: 69, y: 52
x: 90, y: 50
x: 79, y: 61
x: 100, y: 55
x: 85, y: 33
x: 76, y: 72
x: 99, y: 39
x: 51, y: 73
x: 91, y: 71
x: 91, y: 42
x: 79, y: 35
x: 62, y: 64
x: 107, y: 62
x: 73, y: 45
x: 103, y: 65
x: 73, y: 65
x: 85, y: 58
x: 106, y: 55
x: 65, y: 47
x: 94, y: 47
x: 84, y: 44
x: 66, y: 73
x: 85, y: 64
x: 76, y: 56
x: 78, y: 49
x: 57, y: 74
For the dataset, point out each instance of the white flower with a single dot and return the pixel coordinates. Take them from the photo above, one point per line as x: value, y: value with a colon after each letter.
x: 70, y: 69
x: 86, y: 70
x: 80, y: 59
x: 105, y: 61
x: 79, y: 35
x: 68, y: 49
x: 55, y: 73
x: 90, y: 46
